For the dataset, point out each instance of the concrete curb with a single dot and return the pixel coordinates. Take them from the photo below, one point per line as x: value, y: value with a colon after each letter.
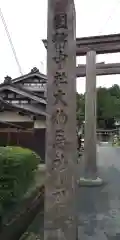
x: 90, y: 182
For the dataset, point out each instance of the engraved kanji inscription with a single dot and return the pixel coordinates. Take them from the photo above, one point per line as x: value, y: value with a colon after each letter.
x: 60, y: 78
x: 60, y: 138
x: 59, y: 97
x: 60, y: 37
x: 59, y: 116
x: 62, y: 179
x: 59, y: 40
x: 60, y: 121
x: 60, y: 195
x: 60, y: 50
x: 59, y: 159
x: 60, y: 56
x: 59, y: 162
x: 60, y: 21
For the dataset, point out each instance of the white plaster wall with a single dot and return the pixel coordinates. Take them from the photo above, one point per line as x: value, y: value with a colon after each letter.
x: 13, y: 117
x: 39, y: 124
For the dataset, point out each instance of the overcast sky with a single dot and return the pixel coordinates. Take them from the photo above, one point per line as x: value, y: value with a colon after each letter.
x: 27, y: 24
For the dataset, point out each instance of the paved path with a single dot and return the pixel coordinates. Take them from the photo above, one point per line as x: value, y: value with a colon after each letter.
x: 99, y: 208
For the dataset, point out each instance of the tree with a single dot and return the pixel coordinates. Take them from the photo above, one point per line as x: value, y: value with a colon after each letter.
x: 108, y: 106
x: 80, y: 103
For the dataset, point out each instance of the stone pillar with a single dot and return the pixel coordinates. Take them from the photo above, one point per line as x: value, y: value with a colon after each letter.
x: 90, y: 174
x: 90, y: 116
x: 61, y: 144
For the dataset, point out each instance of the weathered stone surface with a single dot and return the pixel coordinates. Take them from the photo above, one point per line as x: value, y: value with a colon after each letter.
x: 90, y: 117
x: 60, y: 188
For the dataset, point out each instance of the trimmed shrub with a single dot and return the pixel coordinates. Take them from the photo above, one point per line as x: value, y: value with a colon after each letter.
x: 17, y: 168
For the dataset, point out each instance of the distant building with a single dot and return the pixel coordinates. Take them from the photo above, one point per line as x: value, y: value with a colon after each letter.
x: 23, y: 111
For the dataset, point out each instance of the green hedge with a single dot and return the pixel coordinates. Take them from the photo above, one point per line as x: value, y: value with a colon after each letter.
x: 17, y: 168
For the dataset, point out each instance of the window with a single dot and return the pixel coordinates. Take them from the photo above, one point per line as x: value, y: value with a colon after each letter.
x: 18, y: 96
x: 2, y: 95
x: 36, y: 80
x: 26, y: 84
x: 15, y: 101
x: 23, y: 101
x: 11, y: 95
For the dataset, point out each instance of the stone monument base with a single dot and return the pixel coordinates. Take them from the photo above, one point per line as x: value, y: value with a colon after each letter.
x: 89, y: 182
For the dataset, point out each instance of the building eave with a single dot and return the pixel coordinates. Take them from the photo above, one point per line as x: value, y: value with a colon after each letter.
x: 4, y: 105
x: 23, y: 91
x: 29, y: 92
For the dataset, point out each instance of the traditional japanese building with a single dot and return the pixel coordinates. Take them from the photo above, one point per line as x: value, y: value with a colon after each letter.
x: 23, y: 111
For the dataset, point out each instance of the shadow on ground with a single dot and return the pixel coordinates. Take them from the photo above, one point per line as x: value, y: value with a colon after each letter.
x: 99, y: 207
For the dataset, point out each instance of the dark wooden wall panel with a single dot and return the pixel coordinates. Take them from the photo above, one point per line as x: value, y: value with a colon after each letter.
x: 32, y: 140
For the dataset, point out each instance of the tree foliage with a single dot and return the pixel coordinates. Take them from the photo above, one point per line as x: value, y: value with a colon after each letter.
x: 80, y: 103
x: 108, y: 106
x: 17, y: 166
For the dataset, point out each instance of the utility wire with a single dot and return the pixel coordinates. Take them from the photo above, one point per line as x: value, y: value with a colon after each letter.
x: 110, y: 16
x: 10, y: 41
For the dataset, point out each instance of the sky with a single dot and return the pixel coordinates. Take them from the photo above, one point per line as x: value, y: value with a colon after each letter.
x: 27, y: 24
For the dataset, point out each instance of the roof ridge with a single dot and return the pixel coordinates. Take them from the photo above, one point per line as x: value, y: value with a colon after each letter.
x: 34, y: 71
